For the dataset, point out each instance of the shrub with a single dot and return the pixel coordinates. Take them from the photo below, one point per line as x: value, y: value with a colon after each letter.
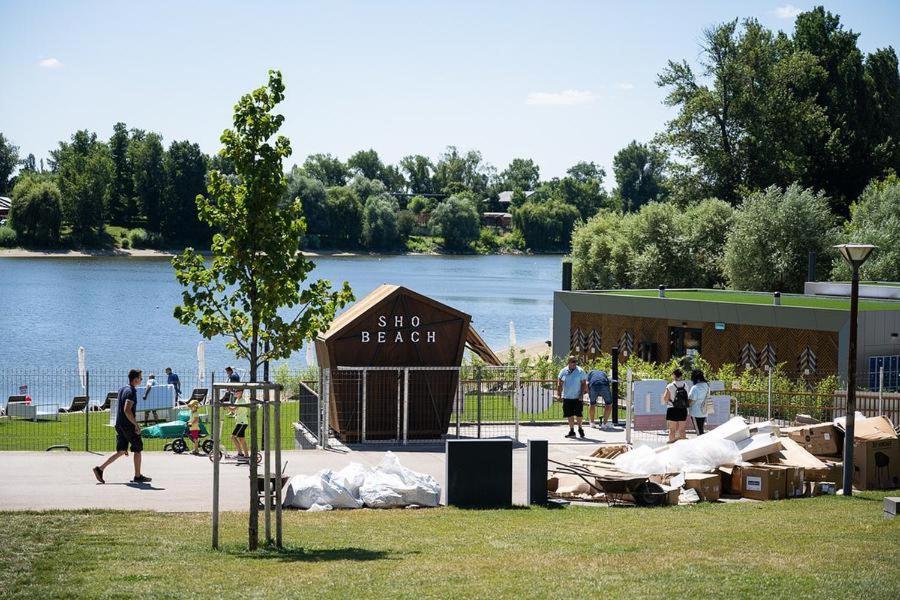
x: 141, y: 239
x: 406, y: 224
x: 125, y: 244
x: 488, y: 241
x: 36, y: 212
x: 875, y: 220
x: 380, y: 222
x: 546, y: 225
x: 7, y: 237
x: 457, y: 221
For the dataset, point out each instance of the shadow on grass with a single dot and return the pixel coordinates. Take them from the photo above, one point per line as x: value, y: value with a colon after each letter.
x: 293, y: 554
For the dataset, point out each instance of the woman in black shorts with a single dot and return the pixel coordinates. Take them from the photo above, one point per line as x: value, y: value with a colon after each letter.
x: 676, y: 397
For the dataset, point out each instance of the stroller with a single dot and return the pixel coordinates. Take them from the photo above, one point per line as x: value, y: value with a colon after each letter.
x: 177, y: 431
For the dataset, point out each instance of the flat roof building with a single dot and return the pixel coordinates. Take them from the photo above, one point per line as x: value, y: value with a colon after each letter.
x: 808, y: 333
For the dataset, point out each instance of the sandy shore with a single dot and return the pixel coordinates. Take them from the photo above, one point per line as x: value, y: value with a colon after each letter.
x: 121, y: 253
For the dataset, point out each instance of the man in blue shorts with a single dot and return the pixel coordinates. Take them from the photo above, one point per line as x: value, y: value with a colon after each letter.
x: 571, y: 386
x: 598, y: 387
x: 128, y: 432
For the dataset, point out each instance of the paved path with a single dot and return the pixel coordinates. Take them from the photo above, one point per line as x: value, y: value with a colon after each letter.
x: 183, y: 483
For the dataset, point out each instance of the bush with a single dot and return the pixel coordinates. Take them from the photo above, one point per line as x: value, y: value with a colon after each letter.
x: 600, y: 253
x: 406, y: 224
x: 420, y: 204
x: 512, y: 241
x: 7, y: 237
x: 875, y: 220
x: 488, y: 241
x: 125, y: 244
x: 546, y: 225
x: 773, y: 232
x: 141, y: 239
x: 457, y: 221
x: 36, y: 212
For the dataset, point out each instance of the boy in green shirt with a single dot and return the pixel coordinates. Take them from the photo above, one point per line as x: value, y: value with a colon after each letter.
x: 241, y: 420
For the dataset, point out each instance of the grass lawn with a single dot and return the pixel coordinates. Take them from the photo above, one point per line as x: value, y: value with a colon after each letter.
x: 819, y: 547
x: 748, y: 298
x: 19, y: 434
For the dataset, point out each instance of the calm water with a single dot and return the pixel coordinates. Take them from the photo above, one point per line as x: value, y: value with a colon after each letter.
x: 120, y: 309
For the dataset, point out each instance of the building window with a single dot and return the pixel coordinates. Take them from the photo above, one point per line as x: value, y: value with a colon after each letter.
x: 684, y: 341
x: 891, y: 366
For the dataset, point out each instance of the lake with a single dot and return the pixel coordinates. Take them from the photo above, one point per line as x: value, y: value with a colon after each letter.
x: 120, y: 309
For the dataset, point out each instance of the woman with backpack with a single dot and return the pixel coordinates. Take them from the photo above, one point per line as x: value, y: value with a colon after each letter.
x: 676, y: 397
x: 698, y: 397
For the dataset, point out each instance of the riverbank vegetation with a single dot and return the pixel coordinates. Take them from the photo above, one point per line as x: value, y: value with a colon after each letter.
x: 781, y: 144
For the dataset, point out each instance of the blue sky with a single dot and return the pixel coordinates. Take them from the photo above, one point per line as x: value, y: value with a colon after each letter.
x: 559, y: 82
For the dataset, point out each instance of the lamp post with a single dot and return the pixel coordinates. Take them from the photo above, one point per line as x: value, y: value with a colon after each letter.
x: 855, y: 255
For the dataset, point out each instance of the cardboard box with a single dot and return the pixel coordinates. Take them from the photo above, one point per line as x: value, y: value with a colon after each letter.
x: 761, y: 482
x: 874, y: 428
x: 795, y: 483
x: 876, y: 464
x: 823, y: 488
x: 708, y: 485
x: 822, y: 439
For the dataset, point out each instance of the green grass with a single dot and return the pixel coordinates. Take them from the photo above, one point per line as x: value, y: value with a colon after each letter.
x: 828, y: 547
x: 750, y: 298
x: 424, y: 244
x: 19, y: 434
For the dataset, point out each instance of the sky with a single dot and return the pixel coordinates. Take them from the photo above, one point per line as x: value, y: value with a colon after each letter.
x: 559, y: 82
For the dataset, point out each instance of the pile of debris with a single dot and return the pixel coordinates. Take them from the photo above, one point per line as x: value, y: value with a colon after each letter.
x: 735, y: 460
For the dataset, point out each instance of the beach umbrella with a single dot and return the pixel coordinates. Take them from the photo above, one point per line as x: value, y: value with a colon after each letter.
x: 201, y: 363
x: 512, y: 335
x: 309, y: 354
x: 82, y: 368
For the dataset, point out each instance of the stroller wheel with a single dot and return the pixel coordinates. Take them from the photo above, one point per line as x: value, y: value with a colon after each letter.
x: 213, y: 455
x: 207, y: 446
x: 178, y: 446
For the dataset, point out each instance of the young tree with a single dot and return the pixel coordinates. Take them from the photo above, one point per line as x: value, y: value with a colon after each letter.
x: 257, y: 268
x: 36, y: 213
x: 773, y: 232
x: 85, y: 172
x: 9, y: 159
x: 639, y: 171
x: 457, y: 221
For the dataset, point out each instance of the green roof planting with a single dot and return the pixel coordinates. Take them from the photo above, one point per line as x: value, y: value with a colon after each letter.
x: 737, y: 297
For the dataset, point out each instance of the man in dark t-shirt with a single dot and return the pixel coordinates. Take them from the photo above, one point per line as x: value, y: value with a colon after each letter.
x: 128, y: 432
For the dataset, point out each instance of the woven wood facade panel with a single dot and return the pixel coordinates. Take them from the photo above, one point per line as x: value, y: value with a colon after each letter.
x: 718, y: 347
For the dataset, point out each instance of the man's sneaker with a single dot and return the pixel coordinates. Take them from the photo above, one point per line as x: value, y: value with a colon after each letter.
x: 580, y: 432
x: 98, y: 473
x: 141, y: 479
x: 571, y: 433
x: 243, y: 459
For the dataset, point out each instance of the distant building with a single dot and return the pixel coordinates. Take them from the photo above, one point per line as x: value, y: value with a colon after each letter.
x: 497, y: 219
x: 505, y: 198
x: 5, y: 203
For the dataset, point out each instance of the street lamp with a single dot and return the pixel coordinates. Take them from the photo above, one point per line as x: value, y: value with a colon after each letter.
x: 855, y: 255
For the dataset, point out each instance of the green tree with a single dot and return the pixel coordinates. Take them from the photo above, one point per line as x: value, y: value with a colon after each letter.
x: 327, y: 169
x: 457, y: 221
x: 704, y: 227
x: 185, y: 170
x: 418, y: 171
x: 146, y: 156
x: 421, y: 204
x: 660, y: 252
x: 36, y: 211
x: 521, y: 174
x: 600, y: 253
x: 345, y: 215
x: 29, y: 164
x: 257, y: 268
x: 364, y: 187
x: 772, y: 234
x: 875, y: 220
x: 9, y: 159
x: 366, y: 163
x: 456, y: 172
x: 84, y: 175
x: 311, y: 194
x: 121, y: 209
x: 640, y: 175
x: 586, y: 171
x: 380, y: 231
x: 546, y: 225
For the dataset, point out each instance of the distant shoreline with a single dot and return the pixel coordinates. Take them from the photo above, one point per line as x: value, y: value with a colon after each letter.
x: 147, y: 253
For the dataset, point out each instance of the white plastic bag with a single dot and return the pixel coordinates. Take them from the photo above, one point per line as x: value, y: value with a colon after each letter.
x: 700, y: 454
x: 352, y: 477
x: 322, y: 488
x: 391, y: 484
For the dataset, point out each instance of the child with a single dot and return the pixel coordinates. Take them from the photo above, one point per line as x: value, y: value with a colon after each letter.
x: 241, y: 420
x: 194, y: 426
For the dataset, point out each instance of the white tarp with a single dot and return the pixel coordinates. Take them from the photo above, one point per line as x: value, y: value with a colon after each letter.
x: 702, y: 453
x: 389, y: 485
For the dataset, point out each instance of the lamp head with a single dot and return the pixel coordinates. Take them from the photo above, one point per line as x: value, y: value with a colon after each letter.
x: 856, y: 254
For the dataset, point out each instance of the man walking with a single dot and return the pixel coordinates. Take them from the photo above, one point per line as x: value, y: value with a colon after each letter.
x: 128, y: 432
x: 571, y: 386
x: 173, y: 380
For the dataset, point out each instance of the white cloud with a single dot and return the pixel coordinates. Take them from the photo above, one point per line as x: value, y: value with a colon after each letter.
x: 563, y: 98
x: 50, y: 63
x: 788, y: 11
x: 624, y: 85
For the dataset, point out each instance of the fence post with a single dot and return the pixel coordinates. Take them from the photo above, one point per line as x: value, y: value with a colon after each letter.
x: 216, y: 456
x: 515, y: 404
x: 460, y: 401
x: 881, y: 390
x: 629, y: 412
x: 405, y: 404
x: 365, y: 386
x: 325, y: 400
x: 769, y: 412
x: 87, y: 410
x: 478, y: 399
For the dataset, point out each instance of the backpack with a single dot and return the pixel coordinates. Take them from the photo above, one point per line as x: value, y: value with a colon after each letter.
x: 681, y: 397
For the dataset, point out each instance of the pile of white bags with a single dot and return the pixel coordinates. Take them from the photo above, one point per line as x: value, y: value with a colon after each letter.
x: 698, y: 454
x: 389, y: 485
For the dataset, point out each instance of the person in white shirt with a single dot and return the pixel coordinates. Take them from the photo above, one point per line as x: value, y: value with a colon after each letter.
x: 676, y: 397
x: 698, y: 397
